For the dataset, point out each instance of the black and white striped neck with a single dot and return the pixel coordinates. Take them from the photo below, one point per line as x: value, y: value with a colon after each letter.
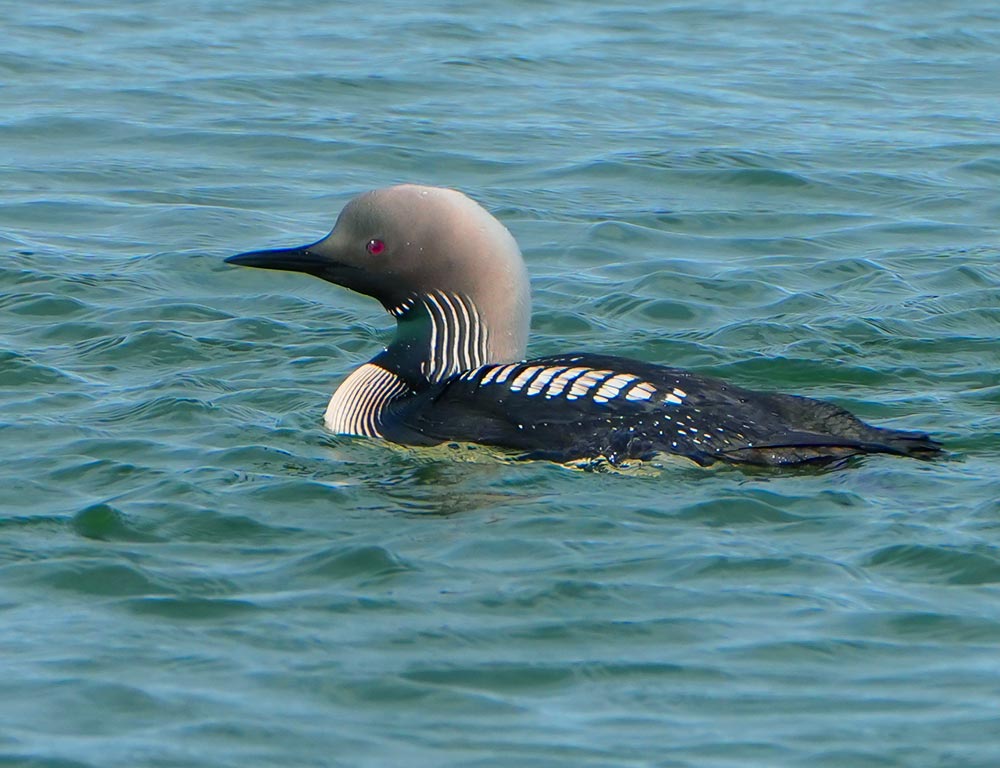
x: 438, y: 335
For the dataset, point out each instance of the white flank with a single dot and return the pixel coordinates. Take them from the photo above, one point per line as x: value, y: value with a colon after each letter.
x: 356, y: 407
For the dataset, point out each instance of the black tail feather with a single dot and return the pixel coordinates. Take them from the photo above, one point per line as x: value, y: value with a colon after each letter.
x: 807, y: 448
x: 919, y: 445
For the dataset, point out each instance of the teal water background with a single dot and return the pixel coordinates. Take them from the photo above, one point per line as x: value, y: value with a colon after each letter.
x: 193, y: 572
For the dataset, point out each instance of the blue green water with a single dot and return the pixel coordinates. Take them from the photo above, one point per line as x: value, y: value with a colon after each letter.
x: 194, y: 573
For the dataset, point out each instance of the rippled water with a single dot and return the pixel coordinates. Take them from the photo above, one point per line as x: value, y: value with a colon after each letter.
x: 192, y: 572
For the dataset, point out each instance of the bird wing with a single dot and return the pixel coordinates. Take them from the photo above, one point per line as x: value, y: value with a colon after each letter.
x: 575, y: 406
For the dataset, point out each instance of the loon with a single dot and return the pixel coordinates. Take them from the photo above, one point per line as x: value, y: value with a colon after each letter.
x: 453, y: 278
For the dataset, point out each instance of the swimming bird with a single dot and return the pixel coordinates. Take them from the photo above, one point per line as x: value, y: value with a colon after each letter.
x: 453, y: 278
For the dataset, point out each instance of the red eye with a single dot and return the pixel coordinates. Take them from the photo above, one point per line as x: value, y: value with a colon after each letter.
x: 375, y: 247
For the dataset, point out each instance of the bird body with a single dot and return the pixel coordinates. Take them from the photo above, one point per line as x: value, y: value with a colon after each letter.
x: 454, y: 279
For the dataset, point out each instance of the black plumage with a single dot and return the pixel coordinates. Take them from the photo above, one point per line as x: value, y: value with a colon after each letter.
x: 714, y: 421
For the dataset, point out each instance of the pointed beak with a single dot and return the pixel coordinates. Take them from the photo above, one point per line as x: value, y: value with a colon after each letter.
x: 319, y: 262
x: 289, y: 259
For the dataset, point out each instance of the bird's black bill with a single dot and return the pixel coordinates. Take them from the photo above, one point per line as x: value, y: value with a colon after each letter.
x: 289, y: 259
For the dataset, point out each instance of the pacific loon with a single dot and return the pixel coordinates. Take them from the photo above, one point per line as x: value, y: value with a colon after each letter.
x: 453, y: 278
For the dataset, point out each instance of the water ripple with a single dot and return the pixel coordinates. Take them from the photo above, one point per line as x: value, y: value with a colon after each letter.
x: 195, y: 572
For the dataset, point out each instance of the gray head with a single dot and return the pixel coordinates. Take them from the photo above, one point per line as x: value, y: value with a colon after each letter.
x: 449, y: 272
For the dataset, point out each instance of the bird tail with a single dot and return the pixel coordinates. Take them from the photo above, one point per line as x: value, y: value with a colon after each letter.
x: 919, y: 445
x: 802, y: 448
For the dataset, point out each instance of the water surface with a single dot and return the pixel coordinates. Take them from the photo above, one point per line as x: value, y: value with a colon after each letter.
x: 193, y: 572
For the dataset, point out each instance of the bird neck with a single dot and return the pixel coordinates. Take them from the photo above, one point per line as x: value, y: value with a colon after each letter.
x: 439, y: 334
